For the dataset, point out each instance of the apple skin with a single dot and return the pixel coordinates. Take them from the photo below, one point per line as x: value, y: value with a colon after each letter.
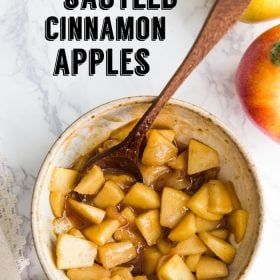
x: 258, y: 82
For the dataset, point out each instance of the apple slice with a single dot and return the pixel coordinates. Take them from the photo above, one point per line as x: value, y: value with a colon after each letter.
x: 110, y: 195
x: 75, y: 232
x: 151, y: 173
x: 175, y: 269
x: 89, y: 213
x: 192, y: 261
x: 116, y: 253
x: 237, y: 221
x: 151, y: 256
x: 123, y: 272
x: 205, y: 225
x: 199, y: 204
x: 201, y: 157
x: 92, y: 182
x: 220, y: 233
x: 208, y: 268
x: 63, y: 180
x: 164, y: 246
x: 185, y: 229
x: 191, y: 246
x: 143, y: 197
x: 95, y: 272
x: 73, y: 252
x: 100, y: 234
x: 222, y: 249
x: 129, y: 215
x: 169, y: 134
x: 149, y: 226
x: 57, y: 201
x: 180, y: 162
x: 173, y: 207
x: 219, y: 198
x: 123, y: 180
x: 158, y: 150
x: 234, y: 198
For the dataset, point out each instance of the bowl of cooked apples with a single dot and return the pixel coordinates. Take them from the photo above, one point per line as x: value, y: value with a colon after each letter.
x: 196, y: 214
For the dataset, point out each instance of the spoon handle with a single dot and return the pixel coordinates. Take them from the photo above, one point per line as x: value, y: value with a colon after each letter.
x: 222, y: 16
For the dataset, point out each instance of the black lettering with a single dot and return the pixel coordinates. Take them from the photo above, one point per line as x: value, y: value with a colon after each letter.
x: 91, y: 28
x: 143, y: 68
x: 61, y: 63
x: 75, y: 28
x: 110, y: 71
x: 96, y: 57
x: 152, y: 5
x: 168, y: 4
x: 142, y: 27
x: 106, y: 4
x: 91, y: 3
x: 79, y: 56
x: 125, y: 60
x: 137, y: 5
x: 107, y: 30
x: 71, y: 4
x: 62, y: 28
x: 48, y: 33
x: 158, y: 28
x: 124, y: 29
x: 123, y: 4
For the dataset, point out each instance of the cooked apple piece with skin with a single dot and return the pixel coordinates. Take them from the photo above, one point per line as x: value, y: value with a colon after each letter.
x: 185, y: 229
x: 151, y: 257
x: 158, y: 150
x: 126, y: 234
x: 180, y: 162
x: 92, y: 182
x: 151, y: 173
x: 220, y: 233
x: 219, y: 199
x: 149, y: 226
x: 122, y: 132
x: 75, y: 232
x: 129, y: 215
x: 201, y: 157
x: 114, y: 254
x: 173, y: 207
x: 113, y: 213
x: 63, y: 180
x: 175, y: 269
x: 123, y: 272
x: 234, y: 198
x: 237, y: 222
x: 192, y: 261
x: 110, y: 195
x: 209, y: 268
x: 199, y: 204
x: 61, y: 225
x: 142, y: 196
x: 205, y: 225
x: 95, y: 272
x: 222, y: 249
x: 124, y: 181
x: 57, y: 201
x: 169, y: 134
x: 73, y: 252
x: 164, y: 246
x: 100, y: 234
x: 141, y: 277
x: 191, y: 246
x: 178, y: 180
x: 87, y: 212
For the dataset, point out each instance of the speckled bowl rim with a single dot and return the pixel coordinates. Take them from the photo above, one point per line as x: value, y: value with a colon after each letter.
x: 109, y: 106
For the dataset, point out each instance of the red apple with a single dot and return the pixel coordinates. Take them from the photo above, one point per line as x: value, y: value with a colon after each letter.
x: 258, y: 82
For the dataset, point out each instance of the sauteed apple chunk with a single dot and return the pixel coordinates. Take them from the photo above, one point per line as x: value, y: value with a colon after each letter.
x: 181, y: 223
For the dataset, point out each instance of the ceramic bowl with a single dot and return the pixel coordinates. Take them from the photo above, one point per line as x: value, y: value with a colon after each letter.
x: 190, y: 122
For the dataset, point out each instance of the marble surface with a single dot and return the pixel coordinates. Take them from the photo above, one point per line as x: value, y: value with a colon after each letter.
x: 36, y: 107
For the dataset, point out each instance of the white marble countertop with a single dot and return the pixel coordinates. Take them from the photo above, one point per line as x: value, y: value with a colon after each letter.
x: 36, y: 107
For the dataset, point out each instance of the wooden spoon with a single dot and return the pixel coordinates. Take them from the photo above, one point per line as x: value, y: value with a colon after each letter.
x: 126, y: 155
